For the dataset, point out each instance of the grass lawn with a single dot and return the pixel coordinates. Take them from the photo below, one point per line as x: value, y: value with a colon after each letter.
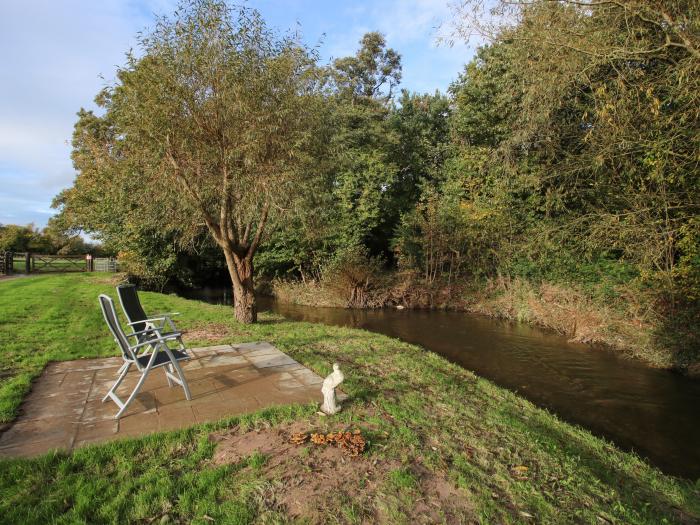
x: 444, y: 444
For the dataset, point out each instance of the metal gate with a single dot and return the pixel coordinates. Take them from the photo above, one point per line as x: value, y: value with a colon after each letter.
x: 6, y: 259
x: 105, y: 264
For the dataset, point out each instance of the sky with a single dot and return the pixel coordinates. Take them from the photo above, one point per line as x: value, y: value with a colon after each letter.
x: 56, y: 56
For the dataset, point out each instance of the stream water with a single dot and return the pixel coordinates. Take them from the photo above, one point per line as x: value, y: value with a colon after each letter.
x: 654, y: 412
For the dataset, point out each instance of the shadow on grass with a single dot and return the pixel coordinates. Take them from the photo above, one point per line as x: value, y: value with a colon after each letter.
x: 273, y: 321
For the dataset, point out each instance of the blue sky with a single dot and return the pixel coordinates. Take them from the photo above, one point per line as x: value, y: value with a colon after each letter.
x: 56, y: 55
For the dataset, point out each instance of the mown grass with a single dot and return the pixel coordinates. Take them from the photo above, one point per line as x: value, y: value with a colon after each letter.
x: 419, y: 411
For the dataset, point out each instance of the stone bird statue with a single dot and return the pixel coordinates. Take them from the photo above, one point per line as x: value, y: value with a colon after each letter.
x: 330, y: 404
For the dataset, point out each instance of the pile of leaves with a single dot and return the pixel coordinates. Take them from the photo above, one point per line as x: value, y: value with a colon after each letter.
x: 353, y: 442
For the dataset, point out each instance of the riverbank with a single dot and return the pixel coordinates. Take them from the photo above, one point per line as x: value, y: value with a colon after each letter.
x: 622, y: 325
x: 445, y: 445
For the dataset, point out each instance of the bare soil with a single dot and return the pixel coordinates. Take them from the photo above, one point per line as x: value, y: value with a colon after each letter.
x: 306, y: 478
x: 210, y: 333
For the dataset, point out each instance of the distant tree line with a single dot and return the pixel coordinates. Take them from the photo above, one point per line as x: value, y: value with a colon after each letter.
x: 567, y: 150
x: 49, y: 240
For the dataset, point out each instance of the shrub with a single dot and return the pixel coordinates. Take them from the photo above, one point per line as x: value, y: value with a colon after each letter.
x: 356, y: 277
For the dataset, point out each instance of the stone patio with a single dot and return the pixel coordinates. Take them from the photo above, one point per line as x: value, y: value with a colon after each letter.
x: 64, y: 410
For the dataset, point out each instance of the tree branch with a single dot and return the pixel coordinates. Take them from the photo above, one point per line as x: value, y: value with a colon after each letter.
x: 259, y: 231
x: 208, y: 219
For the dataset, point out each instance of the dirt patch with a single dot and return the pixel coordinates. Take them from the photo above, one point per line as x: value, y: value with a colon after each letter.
x: 13, y: 276
x: 210, y: 333
x: 312, y: 480
x: 113, y: 279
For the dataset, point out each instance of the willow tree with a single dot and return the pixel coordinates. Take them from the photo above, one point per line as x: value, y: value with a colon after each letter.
x: 213, y: 117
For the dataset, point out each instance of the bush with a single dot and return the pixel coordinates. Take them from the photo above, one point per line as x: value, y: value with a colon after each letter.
x: 356, y: 277
x: 446, y: 237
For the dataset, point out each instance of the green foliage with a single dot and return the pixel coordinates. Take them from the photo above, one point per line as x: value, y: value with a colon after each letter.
x: 442, y: 236
x: 379, y: 152
x: 373, y: 67
x: 580, y: 143
x: 362, y: 166
x: 23, y: 238
x: 486, y: 97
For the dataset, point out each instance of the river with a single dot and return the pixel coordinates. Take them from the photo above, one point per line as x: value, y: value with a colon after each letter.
x: 654, y: 412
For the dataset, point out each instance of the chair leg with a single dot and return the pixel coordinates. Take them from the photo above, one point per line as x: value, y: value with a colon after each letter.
x: 183, y: 381
x: 181, y: 376
x: 122, y: 374
x: 144, y: 374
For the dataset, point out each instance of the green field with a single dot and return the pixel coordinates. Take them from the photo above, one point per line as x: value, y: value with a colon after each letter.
x: 495, y: 457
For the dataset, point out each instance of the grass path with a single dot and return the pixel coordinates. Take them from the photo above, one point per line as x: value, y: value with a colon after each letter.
x: 503, y: 459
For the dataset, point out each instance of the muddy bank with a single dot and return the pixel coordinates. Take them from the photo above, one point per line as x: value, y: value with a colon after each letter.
x: 629, y: 330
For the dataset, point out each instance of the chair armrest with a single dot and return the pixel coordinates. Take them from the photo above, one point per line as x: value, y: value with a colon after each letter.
x: 150, y: 320
x: 164, y: 338
x: 158, y: 323
x: 156, y: 331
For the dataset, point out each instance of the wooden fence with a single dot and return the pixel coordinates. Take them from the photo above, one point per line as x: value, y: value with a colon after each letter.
x: 16, y: 262
x: 56, y: 263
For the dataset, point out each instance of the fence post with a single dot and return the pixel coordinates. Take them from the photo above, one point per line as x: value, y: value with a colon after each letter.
x: 9, y: 262
x: 88, y: 263
x: 27, y: 262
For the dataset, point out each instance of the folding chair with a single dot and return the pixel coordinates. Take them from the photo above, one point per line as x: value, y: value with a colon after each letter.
x: 160, y: 355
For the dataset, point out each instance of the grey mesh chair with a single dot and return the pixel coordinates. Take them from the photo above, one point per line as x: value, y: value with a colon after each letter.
x: 138, y: 320
x: 138, y: 355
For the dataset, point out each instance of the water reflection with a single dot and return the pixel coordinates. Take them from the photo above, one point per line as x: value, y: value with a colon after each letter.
x: 653, y: 412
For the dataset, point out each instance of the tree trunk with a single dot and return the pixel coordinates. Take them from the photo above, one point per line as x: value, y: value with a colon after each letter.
x: 241, y: 272
x: 244, y: 308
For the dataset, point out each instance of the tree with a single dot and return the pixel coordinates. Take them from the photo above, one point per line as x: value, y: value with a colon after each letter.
x: 208, y: 127
x: 363, y: 141
x: 107, y: 201
x: 421, y: 123
x: 486, y: 97
x: 373, y: 67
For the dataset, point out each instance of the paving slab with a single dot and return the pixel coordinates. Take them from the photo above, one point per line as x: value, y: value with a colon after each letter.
x: 65, y: 411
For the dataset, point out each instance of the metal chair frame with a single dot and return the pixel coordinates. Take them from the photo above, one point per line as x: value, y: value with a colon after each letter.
x: 149, y: 337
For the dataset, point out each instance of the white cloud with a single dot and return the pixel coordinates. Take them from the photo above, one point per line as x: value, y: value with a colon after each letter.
x: 418, y: 30
x: 408, y: 21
